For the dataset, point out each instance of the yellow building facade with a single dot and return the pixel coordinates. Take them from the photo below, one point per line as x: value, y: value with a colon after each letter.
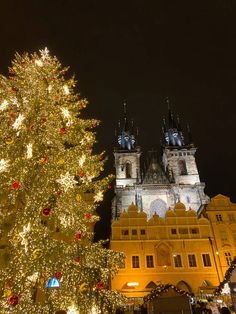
x: 221, y: 213
x: 189, y: 251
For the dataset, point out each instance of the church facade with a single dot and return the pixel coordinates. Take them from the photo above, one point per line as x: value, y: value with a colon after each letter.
x: 160, y: 183
x: 169, y: 230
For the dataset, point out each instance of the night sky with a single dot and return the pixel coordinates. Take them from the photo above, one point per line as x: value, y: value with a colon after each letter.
x: 142, y: 52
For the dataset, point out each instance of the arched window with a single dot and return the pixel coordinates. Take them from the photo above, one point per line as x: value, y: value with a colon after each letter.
x: 163, y: 255
x: 182, y: 167
x: 183, y: 285
x: 128, y: 170
x: 157, y: 206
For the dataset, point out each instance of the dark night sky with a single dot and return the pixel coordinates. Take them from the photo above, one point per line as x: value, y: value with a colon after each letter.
x: 143, y: 51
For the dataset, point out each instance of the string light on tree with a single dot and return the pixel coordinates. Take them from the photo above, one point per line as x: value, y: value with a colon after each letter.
x: 4, y: 164
x: 4, y: 105
x: 29, y: 151
x: 52, y: 262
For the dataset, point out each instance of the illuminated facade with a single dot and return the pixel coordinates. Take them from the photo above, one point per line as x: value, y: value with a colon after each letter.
x: 168, y: 228
x: 156, y: 184
x: 183, y: 249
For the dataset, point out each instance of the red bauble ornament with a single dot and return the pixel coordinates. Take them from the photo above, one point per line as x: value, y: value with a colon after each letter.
x: 77, y: 260
x: 81, y: 174
x: 46, y: 211
x: 78, y: 235
x: 62, y: 130
x: 12, y: 116
x: 101, y: 157
x: 87, y: 216
x: 13, y: 300
x: 109, y: 186
x: 100, y: 285
x: 58, y: 275
x: 15, y: 185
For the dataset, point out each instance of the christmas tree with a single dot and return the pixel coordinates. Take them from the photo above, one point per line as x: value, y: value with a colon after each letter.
x: 50, y: 186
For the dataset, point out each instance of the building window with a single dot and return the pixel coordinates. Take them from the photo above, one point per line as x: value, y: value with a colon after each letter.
x: 228, y: 258
x: 206, y: 260
x: 194, y: 230
x: 128, y: 170
x: 182, y: 167
x: 177, y: 260
x: 223, y: 235
x: 142, y: 231
x: 134, y: 232
x: 218, y: 217
x: 125, y: 231
x: 183, y: 230
x: 188, y: 199
x: 149, y: 261
x: 135, y: 261
x: 231, y: 217
x: 173, y: 231
x: 192, y: 260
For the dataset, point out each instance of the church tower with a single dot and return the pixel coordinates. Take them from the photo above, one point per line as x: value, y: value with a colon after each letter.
x: 127, y: 153
x: 164, y: 182
x: 178, y: 152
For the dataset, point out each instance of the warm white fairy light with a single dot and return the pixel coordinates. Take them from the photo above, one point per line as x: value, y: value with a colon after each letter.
x: 4, y: 105
x: 33, y: 277
x: 67, y: 221
x: 82, y: 160
x: 39, y: 62
x: 22, y: 234
x: 14, y: 101
x: 65, y: 112
x: 98, y: 197
x: 29, y: 151
x: 49, y: 88
x: 67, y: 181
x: 72, y: 310
x: 3, y: 165
x: 66, y: 90
x: 17, y: 124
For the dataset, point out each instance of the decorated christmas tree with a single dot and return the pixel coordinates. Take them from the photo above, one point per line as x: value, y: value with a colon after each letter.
x: 50, y: 185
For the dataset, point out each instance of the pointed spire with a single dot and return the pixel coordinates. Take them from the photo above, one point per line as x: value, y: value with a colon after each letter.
x: 126, y: 137
x: 190, y: 138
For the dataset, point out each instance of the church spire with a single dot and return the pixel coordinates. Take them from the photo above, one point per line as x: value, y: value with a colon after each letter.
x: 173, y: 134
x: 126, y: 137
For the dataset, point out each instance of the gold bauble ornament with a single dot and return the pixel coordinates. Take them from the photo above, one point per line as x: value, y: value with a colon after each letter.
x: 16, y: 238
x: 61, y: 161
x: 37, y: 253
x: 7, y: 293
x: 83, y: 288
x: 78, y: 198
x: 9, y: 141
